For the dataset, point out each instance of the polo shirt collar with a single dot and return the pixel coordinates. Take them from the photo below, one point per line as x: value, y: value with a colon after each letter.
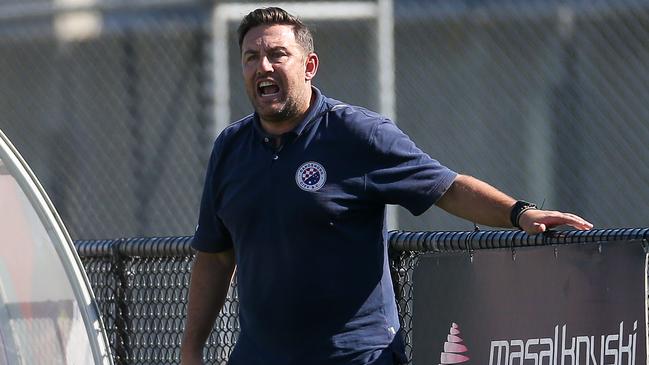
x: 314, y: 110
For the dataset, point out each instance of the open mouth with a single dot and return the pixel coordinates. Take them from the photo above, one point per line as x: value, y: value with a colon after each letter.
x: 267, y: 88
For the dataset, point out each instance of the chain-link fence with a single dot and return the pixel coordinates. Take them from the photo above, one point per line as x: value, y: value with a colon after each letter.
x: 112, y: 123
x: 141, y: 285
x: 113, y: 102
x: 546, y: 99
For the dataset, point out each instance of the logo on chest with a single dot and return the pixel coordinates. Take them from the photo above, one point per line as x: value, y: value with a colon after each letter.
x: 310, y: 176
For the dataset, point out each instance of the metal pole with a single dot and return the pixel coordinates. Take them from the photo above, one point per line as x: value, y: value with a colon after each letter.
x: 221, y: 70
x: 387, y: 95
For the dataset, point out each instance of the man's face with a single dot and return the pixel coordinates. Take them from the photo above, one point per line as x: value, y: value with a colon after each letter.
x: 277, y: 73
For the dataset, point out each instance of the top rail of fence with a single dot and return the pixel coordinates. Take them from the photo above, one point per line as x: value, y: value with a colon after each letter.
x: 441, y: 241
x: 142, y: 246
x: 463, y: 241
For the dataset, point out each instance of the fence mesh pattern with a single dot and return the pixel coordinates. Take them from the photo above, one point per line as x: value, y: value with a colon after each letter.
x: 42, y: 336
x: 113, y: 124
x: 141, y: 285
x: 546, y: 99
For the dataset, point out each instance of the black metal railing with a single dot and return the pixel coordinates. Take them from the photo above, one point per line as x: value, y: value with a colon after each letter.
x: 141, y: 285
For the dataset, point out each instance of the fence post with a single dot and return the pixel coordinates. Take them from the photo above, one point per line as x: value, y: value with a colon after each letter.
x: 122, y: 341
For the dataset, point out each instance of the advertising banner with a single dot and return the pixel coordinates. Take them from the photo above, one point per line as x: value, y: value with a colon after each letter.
x: 551, y: 305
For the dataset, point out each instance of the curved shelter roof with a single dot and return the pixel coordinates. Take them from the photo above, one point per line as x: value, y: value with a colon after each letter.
x: 47, y: 310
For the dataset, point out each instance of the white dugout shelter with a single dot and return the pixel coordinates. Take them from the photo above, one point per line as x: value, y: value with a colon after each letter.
x: 47, y: 311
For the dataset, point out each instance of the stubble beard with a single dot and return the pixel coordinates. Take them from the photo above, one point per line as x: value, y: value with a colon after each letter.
x: 288, y: 112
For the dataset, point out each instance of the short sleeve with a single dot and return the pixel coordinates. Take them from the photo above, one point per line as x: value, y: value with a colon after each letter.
x: 402, y: 173
x: 211, y: 234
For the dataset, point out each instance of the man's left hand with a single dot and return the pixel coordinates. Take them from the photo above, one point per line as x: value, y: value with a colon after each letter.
x: 534, y: 221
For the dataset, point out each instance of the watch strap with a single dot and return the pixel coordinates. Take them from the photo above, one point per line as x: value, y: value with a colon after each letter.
x: 518, y: 209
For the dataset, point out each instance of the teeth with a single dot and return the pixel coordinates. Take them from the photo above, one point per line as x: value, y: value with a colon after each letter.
x: 265, y: 83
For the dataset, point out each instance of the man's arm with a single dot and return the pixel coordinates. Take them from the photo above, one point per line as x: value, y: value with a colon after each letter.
x: 211, y: 276
x: 479, y: 202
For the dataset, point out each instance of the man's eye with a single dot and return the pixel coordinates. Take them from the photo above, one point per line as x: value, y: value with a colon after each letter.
x: 277, y: 55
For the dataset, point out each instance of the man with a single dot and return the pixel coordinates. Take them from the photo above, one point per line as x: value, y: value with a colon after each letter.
x: 295, y: 199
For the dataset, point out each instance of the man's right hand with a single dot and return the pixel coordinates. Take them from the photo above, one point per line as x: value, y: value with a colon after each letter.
x: 210, y: 282
x: 187, y: 358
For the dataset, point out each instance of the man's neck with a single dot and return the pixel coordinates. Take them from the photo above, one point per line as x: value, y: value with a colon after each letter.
x: 281, y: 127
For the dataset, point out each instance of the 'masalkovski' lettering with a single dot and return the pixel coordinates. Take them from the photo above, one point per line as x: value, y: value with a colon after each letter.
x: 564, y: 350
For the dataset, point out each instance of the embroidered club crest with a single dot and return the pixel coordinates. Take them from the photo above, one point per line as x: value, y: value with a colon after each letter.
x: 310, y: 176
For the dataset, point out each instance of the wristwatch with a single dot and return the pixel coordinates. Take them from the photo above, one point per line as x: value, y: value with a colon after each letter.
x: 518, y: 209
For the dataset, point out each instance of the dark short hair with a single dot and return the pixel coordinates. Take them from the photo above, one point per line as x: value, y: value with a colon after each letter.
x: 274, y: 15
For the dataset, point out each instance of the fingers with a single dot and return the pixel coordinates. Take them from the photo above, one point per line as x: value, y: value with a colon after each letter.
x: 577, y: 222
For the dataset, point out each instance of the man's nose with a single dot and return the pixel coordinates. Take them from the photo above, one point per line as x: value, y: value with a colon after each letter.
x: 265, y: 66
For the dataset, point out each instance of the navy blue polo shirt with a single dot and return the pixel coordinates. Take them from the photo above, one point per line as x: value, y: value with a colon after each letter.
x: 307, y: 223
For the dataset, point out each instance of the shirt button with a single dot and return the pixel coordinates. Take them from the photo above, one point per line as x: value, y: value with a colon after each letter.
x: 266, y: 139
x: 275, y: 157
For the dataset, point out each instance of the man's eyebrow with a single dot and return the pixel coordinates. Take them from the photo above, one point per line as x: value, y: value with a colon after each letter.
x: 271, y: 49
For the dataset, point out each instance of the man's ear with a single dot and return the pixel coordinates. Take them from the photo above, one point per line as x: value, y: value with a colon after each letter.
x: 311, y: 66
